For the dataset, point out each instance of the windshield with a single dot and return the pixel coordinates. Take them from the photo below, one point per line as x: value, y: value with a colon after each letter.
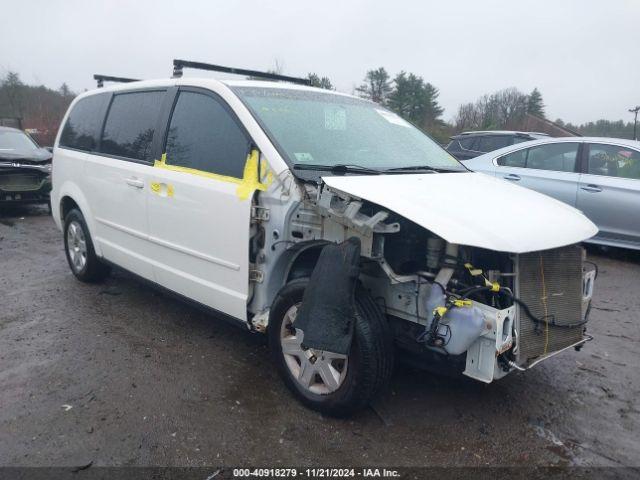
x: 323, y: 129
x: 11, y: 140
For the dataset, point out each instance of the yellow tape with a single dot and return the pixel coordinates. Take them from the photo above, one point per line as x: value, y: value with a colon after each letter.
x: 251, y: 177
x: 440, y: 311
x: 495, y: 287
x: 157, y: 188
x: 462, y: 303
x: 473, y: 271
x: 251, y: 180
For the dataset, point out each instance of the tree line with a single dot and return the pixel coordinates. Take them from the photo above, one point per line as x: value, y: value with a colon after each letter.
x: 407, y: 94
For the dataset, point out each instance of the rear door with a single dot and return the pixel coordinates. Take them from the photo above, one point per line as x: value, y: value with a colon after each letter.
x: 117, y: 175
x: 199, y: 217
x: 609, y: 191
x: 551, y: 169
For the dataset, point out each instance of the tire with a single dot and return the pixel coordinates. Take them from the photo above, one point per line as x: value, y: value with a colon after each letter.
x: 368, y: 365
x: 78, y: 247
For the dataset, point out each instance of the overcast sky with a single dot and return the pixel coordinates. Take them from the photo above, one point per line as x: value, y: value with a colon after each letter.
x: 581, y: 54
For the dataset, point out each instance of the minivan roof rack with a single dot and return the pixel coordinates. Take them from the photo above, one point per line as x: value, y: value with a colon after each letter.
x: 178, y: 65
x: 106, y: 78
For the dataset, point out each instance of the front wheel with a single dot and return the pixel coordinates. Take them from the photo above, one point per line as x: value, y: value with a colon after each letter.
x: 329, y: 382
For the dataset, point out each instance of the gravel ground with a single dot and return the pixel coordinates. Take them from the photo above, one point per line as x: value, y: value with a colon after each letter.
x: 120, y: 374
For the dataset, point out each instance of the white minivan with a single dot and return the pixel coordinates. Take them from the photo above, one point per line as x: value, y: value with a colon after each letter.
x: 325, y: 221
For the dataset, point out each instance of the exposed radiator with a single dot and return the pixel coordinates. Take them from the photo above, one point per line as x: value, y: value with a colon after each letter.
x: 550, y: 283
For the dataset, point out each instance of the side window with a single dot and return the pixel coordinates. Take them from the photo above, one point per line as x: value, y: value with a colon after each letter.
x: 515, y: 159
x: 614, y: 161
x: 131, y: 121
x: 558, y: 157
x: 203, y: 135
x: 83, y: 124
x: 490, y: 143
x: 467, y: 143
x: 518, y: 139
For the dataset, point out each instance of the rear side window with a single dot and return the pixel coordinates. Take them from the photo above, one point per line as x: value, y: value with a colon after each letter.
x: 614, y: 161
x: 558, y: 157
x: 467, y: 143
x: 83, y: 125
x: 492, y: 142
x: 204, y: 136
x: 131, y: 121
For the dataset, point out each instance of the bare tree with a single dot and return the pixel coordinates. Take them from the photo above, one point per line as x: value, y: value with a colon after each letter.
x: 503, y: 109
x: 376, y: 86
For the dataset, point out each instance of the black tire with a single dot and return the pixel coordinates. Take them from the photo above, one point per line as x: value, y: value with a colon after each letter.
x: 370, y: 361
x: 93, y: 270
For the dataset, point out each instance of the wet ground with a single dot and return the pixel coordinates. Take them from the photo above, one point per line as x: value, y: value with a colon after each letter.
x: 120, y: 374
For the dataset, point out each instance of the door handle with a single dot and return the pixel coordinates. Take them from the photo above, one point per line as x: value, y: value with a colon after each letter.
x: 512, y: 177
x: 134, y: 182
x: 591, y: 188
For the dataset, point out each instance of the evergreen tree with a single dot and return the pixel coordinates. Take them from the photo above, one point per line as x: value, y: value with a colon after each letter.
x: 535, y: 106
x: 320, y: 82
x: 415, y: 100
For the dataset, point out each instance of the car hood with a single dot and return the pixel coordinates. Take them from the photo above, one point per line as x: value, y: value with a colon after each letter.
x: 473, y: 209
x: 39, y: 155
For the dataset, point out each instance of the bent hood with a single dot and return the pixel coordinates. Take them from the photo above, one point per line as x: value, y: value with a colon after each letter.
x: 473, y: 209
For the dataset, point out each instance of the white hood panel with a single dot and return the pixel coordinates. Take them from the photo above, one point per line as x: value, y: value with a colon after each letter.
x: 473, y: 209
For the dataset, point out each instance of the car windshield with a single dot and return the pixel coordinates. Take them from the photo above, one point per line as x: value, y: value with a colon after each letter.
x: 11, y: 140
x: 317, y: 129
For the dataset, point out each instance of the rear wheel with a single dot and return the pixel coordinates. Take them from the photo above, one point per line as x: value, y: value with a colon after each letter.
x: 331, y: 383
x: 84, y: 263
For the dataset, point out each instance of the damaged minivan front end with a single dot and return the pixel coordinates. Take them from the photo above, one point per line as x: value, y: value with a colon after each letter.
x: 479, y: 287
x: 469, y: 273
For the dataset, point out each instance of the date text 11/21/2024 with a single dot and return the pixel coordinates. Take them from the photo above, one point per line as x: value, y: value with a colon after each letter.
x: 316, y: 472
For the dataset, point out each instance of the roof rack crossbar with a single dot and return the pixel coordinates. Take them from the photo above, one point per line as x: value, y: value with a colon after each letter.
x: 178, y: 65
x: 107, y: 78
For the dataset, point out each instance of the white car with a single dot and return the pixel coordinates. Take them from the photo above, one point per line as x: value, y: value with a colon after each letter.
x: 237, y: 195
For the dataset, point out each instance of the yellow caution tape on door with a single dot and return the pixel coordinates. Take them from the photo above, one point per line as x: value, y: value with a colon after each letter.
x: 251, y: 180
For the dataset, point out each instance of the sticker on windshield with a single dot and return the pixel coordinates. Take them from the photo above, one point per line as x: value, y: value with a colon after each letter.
x: 335, y: 118
x: 304, y: 157
x: 393, y: 118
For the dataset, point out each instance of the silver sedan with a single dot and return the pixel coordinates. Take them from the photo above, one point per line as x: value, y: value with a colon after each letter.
x: 600, y: 176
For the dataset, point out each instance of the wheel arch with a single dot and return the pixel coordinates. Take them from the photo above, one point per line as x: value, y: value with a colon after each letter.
x: 72, y: 197
x: 294, y: 262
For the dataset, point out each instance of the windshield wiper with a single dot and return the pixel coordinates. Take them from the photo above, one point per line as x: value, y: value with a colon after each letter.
x: 416, y: 168
x: 338, y: 168
x: 423, y: 168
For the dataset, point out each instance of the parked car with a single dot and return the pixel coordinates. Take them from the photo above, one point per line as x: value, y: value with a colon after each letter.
x: 25, y: 168
x: 599, y: 176
x: 471, y: 144
x: 237, y: 195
